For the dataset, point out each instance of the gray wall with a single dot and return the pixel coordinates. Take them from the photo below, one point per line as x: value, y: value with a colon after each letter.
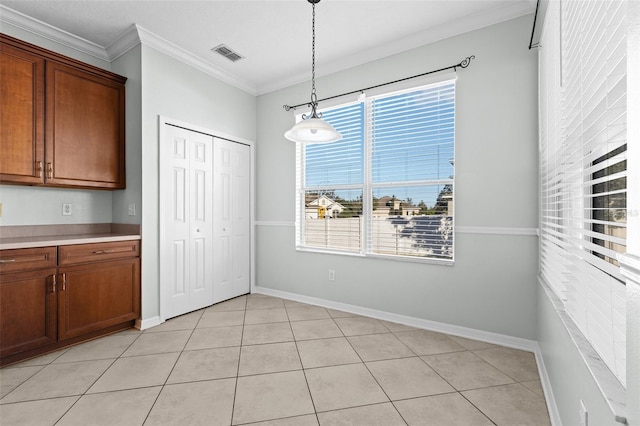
x: 492, y: 286
x: 570, y: 379
x: 173, y: 89
x: 130, y: 65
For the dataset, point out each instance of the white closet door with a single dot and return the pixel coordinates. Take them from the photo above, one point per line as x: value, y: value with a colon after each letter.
x: 232, y: 220
x: 186, y: 203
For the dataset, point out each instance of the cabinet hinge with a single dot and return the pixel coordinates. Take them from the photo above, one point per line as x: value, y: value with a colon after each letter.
x: 49, y: 170
x: 38, y: 168
x: 53, y: 283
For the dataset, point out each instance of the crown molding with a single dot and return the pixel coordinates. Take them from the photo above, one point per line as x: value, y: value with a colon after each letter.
x: 127, y: 41
x: 49, y: 32
x: 150, y: 39
x: 133, y: 36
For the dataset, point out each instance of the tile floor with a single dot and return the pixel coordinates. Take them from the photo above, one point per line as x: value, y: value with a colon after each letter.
x: 267, y: 361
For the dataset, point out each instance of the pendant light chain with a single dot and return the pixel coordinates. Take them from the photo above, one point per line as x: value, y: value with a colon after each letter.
x: 314, y: 97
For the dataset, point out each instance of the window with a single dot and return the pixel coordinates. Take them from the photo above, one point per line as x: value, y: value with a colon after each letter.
x: 387, y: 187
x: 583, y: 161
x: 609, y: 205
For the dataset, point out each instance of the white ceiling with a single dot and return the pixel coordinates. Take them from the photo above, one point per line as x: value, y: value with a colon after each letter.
x: 274, y: 36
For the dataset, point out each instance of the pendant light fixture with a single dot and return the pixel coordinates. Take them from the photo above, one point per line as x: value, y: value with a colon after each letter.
x: 312, y: 128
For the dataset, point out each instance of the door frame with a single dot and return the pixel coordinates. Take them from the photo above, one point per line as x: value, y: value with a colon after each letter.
x: 163, y: 121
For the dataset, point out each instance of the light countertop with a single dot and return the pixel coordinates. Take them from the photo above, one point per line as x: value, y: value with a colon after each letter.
x: 18, y: 237
x: 62, y: 240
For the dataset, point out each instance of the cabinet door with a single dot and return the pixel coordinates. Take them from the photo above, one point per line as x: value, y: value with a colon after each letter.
x: 85, y: 139
x: 21, y: 116
x: 27, y: 310
x: 93, y: 296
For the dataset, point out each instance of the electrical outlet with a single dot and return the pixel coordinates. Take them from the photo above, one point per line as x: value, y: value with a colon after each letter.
x: 332, y: 275
x: 132, y: 209
x: 67, y: 209
x: 584, y: 414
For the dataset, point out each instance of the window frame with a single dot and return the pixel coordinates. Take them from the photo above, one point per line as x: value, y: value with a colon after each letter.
x: 368, y: 186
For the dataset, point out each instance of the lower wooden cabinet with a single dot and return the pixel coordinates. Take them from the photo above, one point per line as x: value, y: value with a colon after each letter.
x: 28, y: 310
x: 43, y: 308
x: 98, y: 295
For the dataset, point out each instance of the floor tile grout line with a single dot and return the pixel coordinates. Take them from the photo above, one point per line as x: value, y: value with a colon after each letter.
x: 356, y: 406
x: 79, y: 397
x: 383, y: 390
x: 471, y: 352
x: 476, y: 407
x: 92, y: 384
x: 237, y: 378
x: 504, y: 372
x: 60, y: 396
x: 23, y: 381
x: 304, y: 374
x: 374, y: 377
x: 155, y: 401
x: 437, y: 372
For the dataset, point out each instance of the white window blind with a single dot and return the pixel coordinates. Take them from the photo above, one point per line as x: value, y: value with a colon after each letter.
x: 583, y: 167
x: 411, y: 142
x: 387, y: 187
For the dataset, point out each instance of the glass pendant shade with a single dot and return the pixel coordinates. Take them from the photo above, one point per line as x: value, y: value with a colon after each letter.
x: 313, y: 130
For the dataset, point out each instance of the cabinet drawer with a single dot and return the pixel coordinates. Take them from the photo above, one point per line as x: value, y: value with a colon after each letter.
x: 25, y: 259
x: 81, y: 253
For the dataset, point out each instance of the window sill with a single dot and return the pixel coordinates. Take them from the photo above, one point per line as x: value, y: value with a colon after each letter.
x: 612, y: 390
x: 407, y: 259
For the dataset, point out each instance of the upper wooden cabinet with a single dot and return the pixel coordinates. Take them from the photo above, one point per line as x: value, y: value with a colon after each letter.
x: 62, y: 121
x: 21, y: 116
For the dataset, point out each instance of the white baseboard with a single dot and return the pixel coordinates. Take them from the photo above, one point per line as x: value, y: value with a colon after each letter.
x: 470, y: 333
x: 552, y: 408
x: 455, y: 330
x: 143, y: 324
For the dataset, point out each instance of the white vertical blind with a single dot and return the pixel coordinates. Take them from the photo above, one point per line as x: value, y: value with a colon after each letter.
x: 583, y: 167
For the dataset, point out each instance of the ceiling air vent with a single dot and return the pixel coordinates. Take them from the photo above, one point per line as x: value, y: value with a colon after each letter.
x: 227, y: 52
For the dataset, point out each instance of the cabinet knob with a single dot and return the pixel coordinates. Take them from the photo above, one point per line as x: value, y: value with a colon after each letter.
x: 49, y: 170
x: 38, y: 168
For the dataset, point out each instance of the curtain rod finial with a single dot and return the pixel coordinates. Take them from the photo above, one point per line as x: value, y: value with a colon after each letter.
x: 466, y: 61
